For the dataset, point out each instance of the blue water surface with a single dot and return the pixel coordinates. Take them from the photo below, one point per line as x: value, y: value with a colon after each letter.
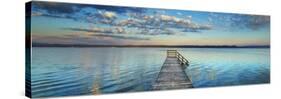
x: 84, y: 71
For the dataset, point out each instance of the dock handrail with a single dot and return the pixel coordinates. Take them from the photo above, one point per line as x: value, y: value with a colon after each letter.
x: 175, y: 53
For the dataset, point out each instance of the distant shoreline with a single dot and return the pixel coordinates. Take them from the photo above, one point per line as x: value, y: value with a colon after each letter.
x: 153, y: 46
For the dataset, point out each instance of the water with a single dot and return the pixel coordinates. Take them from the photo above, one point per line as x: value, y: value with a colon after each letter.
x: 83, y: 71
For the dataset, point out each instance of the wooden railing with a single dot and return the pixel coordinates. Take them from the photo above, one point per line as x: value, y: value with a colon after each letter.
x: 172, y: 53
x: 175, y: 53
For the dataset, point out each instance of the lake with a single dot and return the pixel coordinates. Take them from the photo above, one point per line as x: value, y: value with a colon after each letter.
x: 63, y: 71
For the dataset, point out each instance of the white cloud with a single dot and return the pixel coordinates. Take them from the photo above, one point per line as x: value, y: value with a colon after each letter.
x: 150, y: 24
x: 166, y: 18
x: 109, y: 15
x: 106, y: 14
x: 120, y: 30
x: 36, y: 14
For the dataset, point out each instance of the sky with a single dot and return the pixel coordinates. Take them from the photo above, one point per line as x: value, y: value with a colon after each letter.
x: 67, y: 23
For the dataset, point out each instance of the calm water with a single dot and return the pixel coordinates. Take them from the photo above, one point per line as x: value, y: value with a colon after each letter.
x: 79, y: 71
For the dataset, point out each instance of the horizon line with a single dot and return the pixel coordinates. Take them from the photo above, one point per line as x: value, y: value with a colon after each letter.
x: 184, y: 46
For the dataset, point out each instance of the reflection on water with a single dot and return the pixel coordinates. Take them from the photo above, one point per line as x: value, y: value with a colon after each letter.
x: 219, y: 67
x: 79, y: 71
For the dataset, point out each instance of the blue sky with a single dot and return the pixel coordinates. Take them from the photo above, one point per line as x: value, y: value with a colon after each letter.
x: 64, y: 23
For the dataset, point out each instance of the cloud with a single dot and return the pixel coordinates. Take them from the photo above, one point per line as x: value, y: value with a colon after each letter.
x: 71, y: 8
x: 106, y: 32
x: 98, y: 30
x: 101, y: 17
x: 167, y: 18
x: 112, y: 16
x: 36, y: 14
x: 55, y: 8
x: 77, y: 12
x: 109, y: 15
x: 241, y: 21
x: 102, y: 35
x: 129, y: 23
x: 120, y: 36
x: 168, y: 31
x: 257, y: 22
x: 253, y: 22
x: 114, y: 30
x: 118, y: 9
x: 195, y: 27
x: 120, y: 30
x: 161, y: 21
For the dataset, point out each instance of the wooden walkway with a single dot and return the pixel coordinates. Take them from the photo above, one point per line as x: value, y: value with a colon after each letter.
x: 172, y: 74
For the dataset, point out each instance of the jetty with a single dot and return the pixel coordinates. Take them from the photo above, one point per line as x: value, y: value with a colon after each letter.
x: 172, y: 74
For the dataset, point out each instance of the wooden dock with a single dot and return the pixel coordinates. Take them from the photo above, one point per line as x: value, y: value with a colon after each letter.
x: 172, y: 74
